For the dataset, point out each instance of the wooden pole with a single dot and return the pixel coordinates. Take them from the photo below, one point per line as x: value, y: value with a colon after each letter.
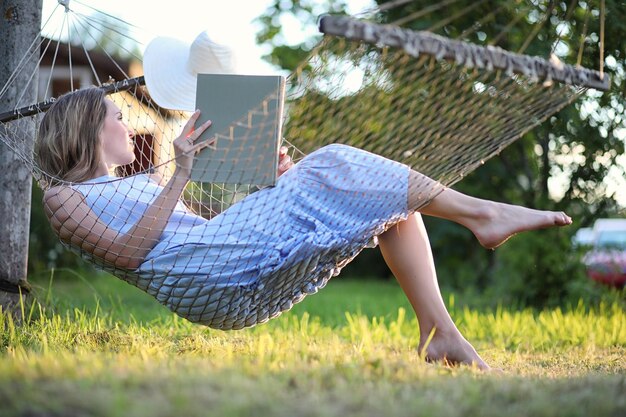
x: 19, y: 26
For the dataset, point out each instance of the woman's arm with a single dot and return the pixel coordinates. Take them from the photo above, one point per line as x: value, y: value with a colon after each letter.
x: 76, y: 223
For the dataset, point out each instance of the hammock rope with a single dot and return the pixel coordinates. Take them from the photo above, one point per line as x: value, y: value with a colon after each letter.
x: 233, y: 254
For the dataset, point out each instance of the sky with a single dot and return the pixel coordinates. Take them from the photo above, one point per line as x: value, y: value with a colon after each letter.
x: 226, y: 21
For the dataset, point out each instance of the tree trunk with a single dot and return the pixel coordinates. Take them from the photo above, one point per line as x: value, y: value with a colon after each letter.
x: 19, y: 26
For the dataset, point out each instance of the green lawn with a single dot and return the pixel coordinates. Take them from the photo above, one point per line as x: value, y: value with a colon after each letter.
x: 96, y: 346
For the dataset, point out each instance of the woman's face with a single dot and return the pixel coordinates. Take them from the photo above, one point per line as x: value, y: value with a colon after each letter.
x: 116, y: 139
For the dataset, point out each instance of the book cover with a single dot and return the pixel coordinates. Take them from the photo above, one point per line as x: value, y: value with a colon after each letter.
x: 247, y: 114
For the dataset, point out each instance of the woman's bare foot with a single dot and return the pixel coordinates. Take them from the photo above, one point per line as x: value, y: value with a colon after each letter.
x: 497, y: 222
x: 451, y: 350
x: 492, y: 223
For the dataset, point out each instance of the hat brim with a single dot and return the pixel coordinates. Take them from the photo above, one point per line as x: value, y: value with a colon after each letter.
x: 169, y: 81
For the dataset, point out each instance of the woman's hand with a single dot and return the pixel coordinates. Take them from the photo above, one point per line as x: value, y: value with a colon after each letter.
x: 185, y: 146
x: 284, y: 161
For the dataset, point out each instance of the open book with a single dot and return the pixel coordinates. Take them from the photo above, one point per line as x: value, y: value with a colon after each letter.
x: 247, y: 114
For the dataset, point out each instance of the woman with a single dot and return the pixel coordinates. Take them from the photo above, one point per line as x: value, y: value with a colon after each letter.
x: 269, y: 250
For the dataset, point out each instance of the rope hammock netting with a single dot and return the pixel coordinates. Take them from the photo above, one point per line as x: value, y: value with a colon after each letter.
x: 233, y: 255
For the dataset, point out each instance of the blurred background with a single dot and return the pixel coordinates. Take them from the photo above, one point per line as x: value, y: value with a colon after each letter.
x: 573, y: 162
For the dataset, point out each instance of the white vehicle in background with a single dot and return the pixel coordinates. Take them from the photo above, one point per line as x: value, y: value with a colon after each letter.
x: 606, y: 259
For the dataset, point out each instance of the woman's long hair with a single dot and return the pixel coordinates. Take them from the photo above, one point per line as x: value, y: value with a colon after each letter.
x: 68, y: 141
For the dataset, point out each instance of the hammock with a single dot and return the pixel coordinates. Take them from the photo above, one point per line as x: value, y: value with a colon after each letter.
x: 438, y: 105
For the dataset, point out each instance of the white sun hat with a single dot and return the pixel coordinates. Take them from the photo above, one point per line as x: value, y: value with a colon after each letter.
x: 171, y: 67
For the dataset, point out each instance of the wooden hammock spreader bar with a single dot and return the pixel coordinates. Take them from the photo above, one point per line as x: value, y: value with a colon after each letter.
x: 42, y: 106
x: 467, y: 54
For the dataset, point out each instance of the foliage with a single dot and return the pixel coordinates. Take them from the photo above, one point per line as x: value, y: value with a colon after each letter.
x: 91, y: 348
x: 285, y: 54
x: 580, y: 146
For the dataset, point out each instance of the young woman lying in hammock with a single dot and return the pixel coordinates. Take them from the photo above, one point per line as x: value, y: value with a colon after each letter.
x: 266, y: 252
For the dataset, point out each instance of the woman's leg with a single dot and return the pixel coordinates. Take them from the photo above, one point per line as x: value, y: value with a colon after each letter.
x: 492, y: 223
x: 406, y: 250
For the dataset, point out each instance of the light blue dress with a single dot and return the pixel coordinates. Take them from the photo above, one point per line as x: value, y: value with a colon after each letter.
x: 266, y: 252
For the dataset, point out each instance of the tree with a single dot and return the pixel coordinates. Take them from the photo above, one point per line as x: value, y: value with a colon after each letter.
x: 19, y: 26
x: 580, y: 145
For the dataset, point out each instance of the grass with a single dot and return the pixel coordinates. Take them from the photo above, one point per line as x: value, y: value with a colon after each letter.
x: 99, y: 347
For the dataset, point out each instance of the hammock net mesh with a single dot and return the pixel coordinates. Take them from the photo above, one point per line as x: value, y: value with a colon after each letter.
x: 233, y: 254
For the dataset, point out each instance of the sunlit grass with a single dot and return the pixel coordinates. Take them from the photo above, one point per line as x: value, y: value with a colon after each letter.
x: 95, y: 346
